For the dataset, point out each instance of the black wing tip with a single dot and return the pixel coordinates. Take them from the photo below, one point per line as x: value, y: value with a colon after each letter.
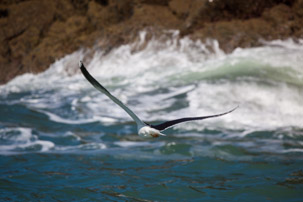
x: 85, y: 72
x: 235, y: 108
x: 81, y: 65
x: 83, y: 69
x: 230, y: 111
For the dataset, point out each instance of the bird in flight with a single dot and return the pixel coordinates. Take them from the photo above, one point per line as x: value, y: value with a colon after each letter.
x: 144, y: 129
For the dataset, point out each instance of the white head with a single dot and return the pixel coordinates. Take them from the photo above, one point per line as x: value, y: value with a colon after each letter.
x: 148, y: 132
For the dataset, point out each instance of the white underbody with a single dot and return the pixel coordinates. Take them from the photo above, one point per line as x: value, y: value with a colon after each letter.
x: 148, y: 132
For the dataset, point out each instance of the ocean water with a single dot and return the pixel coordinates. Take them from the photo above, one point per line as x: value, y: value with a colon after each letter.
x: 62, y: 140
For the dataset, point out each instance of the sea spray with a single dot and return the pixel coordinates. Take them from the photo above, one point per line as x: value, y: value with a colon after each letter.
x: 161, y: 80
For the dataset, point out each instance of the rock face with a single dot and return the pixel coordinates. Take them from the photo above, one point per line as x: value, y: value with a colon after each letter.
x: 34, y: 33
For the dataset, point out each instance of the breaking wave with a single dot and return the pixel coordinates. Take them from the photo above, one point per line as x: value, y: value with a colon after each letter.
x: 162, y: 80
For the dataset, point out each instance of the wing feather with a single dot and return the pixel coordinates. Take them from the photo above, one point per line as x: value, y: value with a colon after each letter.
x: 99, y: 87
x: 168, y: 124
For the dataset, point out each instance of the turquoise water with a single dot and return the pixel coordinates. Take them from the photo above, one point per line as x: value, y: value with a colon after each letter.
x: 61, y: 140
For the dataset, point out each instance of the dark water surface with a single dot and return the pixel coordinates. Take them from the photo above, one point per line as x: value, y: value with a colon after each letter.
x: 61, y: 140
x: 93, y: 177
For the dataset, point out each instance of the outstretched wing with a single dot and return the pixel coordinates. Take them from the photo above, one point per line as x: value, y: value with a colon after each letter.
x: 99, y: 87
x: 168, y: 124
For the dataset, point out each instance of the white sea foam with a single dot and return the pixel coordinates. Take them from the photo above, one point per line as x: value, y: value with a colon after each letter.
x: 59, y: 119
x: 86, y: 146
x: 265, y: 81
x: 139, y: 144
x: 19, y: 135
x: 22, y: 140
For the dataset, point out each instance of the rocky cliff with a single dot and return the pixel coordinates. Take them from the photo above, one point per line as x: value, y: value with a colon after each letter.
x: 34, y: 33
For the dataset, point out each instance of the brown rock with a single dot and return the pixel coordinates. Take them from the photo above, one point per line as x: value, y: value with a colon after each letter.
x: 297, y: 26
x: 61, y: 39
x: 154, y: 15
x: 20, y: 46
x: 155, y: 2
x: 21, y: 30
x: 235, y: 34
x: 112, y: 12
x: 180, y: 8
x: 38, y: 14
x: 64, y: 9
x: 281, y: 19
x: 298, y: 8
x: 35, y: 33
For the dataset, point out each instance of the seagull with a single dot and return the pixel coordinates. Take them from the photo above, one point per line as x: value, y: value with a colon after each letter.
x: 145, y: 130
